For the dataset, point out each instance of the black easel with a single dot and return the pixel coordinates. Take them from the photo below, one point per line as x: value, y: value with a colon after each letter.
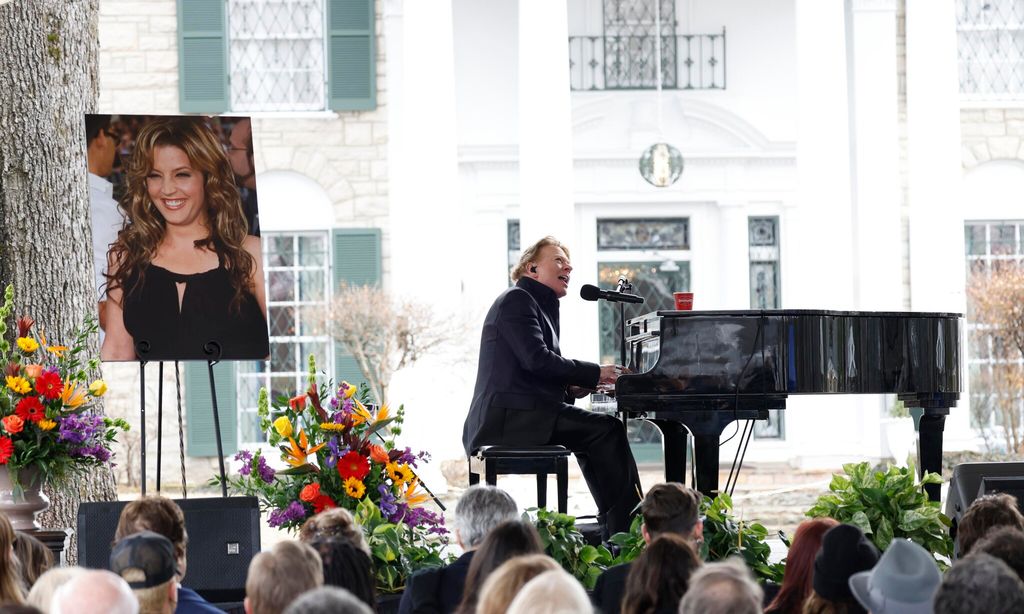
x: 142, y: 350
x: 213, y: 350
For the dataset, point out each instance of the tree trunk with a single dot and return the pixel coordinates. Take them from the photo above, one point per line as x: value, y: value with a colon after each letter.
x: 49, y: 79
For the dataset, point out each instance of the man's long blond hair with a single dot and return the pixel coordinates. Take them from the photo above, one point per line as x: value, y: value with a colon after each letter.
x: 531, y: 253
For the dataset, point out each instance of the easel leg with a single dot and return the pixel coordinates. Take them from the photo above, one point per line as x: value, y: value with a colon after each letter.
x: 216, y: 430
x: 159, y: 423
x: 142, y: 423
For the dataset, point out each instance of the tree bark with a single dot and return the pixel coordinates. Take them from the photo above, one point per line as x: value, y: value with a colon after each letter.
x: 49, y: 79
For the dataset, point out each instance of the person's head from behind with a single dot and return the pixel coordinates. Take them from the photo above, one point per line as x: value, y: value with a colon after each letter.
x: 845, y: 551
x: 334, y: 523
x: 1006, y: 544
x: 159, y: 515
x: 94, y: 591
x: 503, y: 585
x: 671, y: 507
x: 979, y: 583
x: 146, y: 561
x: 47, y: 584
x: 658, y: 578
x: 552, y: 592
x: 505, y: 541
x: 547, y: 262
x: 480, y: 509
x: 346, y: 566
x: 279, y: 576
x: 984, y: 513
x: 101, y: 144
x: 33, y: 555
x: 10, y: 570
x: 796, y: 584
x: 328, y: 600
x: 726, y: 587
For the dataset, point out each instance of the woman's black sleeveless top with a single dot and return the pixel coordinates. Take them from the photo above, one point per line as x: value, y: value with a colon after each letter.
x: 205, y: 322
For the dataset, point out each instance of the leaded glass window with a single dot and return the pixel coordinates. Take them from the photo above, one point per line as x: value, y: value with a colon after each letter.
x: 277, y: 55
x: 512, y: 240
x: 643, y: 234
x: 297, y: 272
x: 763, y: 250
x: 990, y: 37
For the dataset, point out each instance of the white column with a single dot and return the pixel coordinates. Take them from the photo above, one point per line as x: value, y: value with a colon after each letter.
x: 933, y: 152
x: 819, y: 275
x: 874, y: 96
x: 424, y: 215
x: 545, y: 122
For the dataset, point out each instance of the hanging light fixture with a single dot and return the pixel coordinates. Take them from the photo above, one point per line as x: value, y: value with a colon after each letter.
x: 661, y: 164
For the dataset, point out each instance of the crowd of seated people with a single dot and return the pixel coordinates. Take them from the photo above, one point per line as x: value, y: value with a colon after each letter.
x: 832, y: 568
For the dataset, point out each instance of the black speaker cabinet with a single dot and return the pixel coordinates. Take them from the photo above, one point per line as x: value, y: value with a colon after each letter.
x: 223, y: 536
x: 971, y: 480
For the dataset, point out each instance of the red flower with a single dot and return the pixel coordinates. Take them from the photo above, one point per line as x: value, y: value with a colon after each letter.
x: 310, y: 492
x: 30, y: 408
x: 6, y: 450
x: 298, y: 403
x: 323, y: 502
x: 48, y: 384
x: 24, y: 325
x: 353, y: 465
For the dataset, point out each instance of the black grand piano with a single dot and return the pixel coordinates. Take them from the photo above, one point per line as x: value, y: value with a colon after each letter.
x: 702, y: 370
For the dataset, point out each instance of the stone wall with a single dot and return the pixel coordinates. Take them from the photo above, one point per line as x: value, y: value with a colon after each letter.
x: 991, y: 134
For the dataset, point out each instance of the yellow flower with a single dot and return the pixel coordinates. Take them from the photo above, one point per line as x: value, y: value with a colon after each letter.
x: 412, y: 498
x: 382, y: 414
x: 72, y: 397
x: 360, y: 414
x: 332, y: 426
x: 400, y: 474
x: 347, y: 389
x: 295, y: 455
x: 355, y: 488
x: 283, y: 426
x: 46, y: 425
x: 19, y: 385
x: 56, y: 350
x: 98, y: 388
x: 27, y: 344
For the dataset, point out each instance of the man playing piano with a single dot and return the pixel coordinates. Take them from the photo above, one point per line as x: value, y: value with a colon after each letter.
x: 525, y: 387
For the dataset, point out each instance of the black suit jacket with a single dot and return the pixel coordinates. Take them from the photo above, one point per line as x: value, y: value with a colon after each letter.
x: 436, y: 591
x: 610, y: 587
x: 521, y: 376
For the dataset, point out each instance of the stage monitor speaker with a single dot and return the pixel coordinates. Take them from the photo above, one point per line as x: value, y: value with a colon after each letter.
x: 971, y: 480
x: 223, y: 536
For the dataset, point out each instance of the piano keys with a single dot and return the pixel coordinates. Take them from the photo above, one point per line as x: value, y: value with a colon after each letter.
x: 701, y: 370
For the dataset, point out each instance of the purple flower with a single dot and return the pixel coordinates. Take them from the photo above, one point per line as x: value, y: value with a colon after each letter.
x: 418, y: 516
x: 76, y: 429
x: 266, y: 472
x: 334, y: 402
x: 335, y: 452
x: 388, y: 509
x: 408, y: 457
x: 245, y: 457
x: 95, y: 451
x: 294, y: 511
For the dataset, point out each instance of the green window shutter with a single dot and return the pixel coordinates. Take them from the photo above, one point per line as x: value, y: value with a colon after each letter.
x: 351, y: 57
x: 202, y: 440
x: 203, y: 56
x: 357, y: 261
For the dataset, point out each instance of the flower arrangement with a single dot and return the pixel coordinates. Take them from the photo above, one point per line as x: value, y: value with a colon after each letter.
x: 46, y: 418
x: 341, y: 452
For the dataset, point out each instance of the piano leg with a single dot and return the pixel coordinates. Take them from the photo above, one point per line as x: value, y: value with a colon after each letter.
x: 705, y: 452
x: 929, y: 447
x: 673, y: 437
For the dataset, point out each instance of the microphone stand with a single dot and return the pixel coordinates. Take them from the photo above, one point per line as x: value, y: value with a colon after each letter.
x: 624, y: 286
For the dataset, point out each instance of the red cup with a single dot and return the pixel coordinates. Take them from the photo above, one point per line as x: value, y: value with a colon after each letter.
x: 684, y: 300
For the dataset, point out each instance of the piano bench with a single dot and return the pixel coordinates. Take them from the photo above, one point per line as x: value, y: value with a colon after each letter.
x: 538, y: 460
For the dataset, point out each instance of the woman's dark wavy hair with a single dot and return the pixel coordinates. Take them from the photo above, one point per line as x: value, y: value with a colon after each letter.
x: 348, y: 567
x: 659, y: 577
x: 144, y: 227
x: 505, y: 541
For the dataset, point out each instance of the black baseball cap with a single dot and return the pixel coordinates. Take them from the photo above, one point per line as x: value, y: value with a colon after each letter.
x: 145, y: 559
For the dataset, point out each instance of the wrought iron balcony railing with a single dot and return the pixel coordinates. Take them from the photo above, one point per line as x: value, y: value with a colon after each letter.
x: 688, y: 62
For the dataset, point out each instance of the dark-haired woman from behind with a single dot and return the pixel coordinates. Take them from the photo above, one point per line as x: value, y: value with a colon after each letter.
x: 347, y: 566
x: 796, y: 584
x: 660, y: 576
x: 505, y: 541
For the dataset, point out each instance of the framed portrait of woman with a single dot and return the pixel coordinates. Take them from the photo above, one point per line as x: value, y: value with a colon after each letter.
x: 176, y: 239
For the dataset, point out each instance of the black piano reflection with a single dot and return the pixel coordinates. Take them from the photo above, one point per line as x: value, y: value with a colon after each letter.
x: 701, y: 370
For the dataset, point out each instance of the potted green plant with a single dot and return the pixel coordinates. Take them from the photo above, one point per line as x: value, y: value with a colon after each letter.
x: 886, y: 505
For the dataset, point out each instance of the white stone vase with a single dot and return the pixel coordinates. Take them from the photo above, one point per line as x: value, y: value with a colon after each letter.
x: 21, y: 497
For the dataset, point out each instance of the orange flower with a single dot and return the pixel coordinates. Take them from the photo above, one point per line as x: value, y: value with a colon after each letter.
x: 33, y: 371
x: 360, y: 414
x: 310, y: 492
x: 13, y: 424
x: 298, y: 403
x: 296, y: 454
x: 72, y: 396
x: 56, y: 350
x: 412, y: 498
x: 378, y: 454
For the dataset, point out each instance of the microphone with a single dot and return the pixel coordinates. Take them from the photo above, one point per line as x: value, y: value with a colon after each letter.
x: 623, y: 284
x: 593, y: 293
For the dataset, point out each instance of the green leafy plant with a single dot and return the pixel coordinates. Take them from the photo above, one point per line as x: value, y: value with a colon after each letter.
x: 886, y: 505
x: 725, y: 536
x: 564, y: 543
x: 398, y: 549
x: 631, y: 543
